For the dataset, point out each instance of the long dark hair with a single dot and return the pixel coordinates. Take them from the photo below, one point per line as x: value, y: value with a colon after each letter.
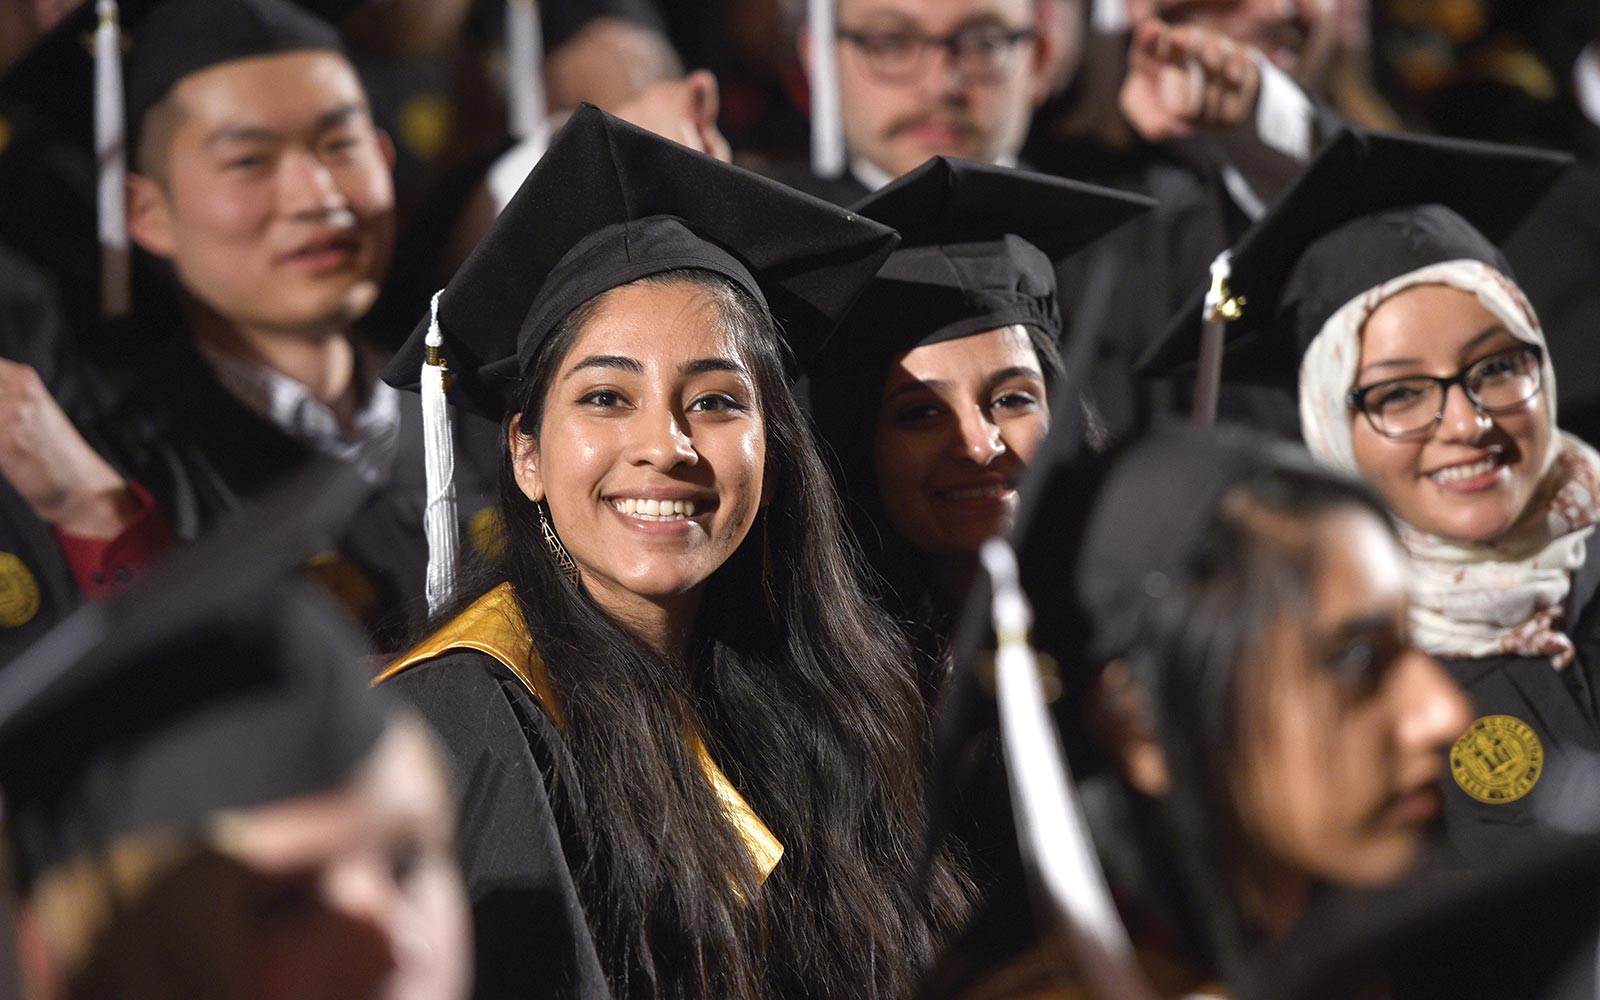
x: 847, y: 407
x: 1186, y: 857
x: 802, y: 692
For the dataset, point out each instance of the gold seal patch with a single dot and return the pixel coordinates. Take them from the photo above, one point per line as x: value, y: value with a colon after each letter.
x: 19, y: 592
x: 1498, y: 759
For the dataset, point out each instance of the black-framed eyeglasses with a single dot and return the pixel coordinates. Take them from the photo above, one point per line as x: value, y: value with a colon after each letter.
x: 977, y: 51
x: 1402, y: 407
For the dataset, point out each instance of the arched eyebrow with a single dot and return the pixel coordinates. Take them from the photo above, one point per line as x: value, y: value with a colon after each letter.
x: 915, y: 385
x: 1466, y: 348
x: 617, y: 361
x: 621, y: 362
x: 700, y: 366
x: 1015, y: 371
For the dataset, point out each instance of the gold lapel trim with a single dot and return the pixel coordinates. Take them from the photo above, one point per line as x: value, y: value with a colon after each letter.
x: 493, y: 624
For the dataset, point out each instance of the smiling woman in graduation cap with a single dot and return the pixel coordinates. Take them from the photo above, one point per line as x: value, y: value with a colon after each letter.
x: 692, y: 749
x: 933, y: 395
x: 1375, y: 290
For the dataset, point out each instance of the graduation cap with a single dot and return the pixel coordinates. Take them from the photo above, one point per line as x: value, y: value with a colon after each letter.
x: 1371, y: 207
x: 978, y: 249
x: 179, y: 37
x: 212, y: 684
x: 610, y: 203
x: 979, y: 245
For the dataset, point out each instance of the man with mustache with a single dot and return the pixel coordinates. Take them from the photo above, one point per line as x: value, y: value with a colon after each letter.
x: 1208, y: 129
x: 923, y: 78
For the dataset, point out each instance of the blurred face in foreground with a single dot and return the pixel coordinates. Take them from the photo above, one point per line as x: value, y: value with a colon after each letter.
x: 356, y: 893
x: 1344, y: 724
x: 350, y: 892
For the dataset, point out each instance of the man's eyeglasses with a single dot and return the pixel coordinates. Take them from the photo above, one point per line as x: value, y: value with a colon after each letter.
x: 978, y: 51
x: 1403, y: 407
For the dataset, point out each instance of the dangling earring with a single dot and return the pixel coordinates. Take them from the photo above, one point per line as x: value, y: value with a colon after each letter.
x: 558, y: 552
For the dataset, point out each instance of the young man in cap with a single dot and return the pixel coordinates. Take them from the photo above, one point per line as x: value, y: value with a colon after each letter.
x: 260, y: 180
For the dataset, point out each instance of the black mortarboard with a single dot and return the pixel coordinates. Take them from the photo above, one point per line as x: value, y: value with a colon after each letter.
x: 1371, y: 207
x: 610, y: 203
x: 179, y: 37
x: 978, y: 250
x: 212, y: 684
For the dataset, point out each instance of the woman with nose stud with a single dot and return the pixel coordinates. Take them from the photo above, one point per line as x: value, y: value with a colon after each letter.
x: 935, y: 393
x: 1420, y: 366
x: 692, y: 749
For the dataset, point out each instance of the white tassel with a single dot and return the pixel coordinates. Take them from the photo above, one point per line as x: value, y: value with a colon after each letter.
x: 1051, y: 831
x: 525, y: 71
x: 827, y: 127
x: 1220, y: 307
x: 109, y: 141
x: 439, y: 521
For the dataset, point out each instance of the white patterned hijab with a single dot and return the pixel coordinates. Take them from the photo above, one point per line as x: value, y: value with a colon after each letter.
x: 1506, y: 596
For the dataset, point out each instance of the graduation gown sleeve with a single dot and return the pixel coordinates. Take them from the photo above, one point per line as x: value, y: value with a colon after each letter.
x: 530, y: 933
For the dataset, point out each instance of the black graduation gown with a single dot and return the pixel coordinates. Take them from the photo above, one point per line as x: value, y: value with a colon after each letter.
x: 36, y: 586
x: 1536, y: 731
x: 202, y: 454
x: 530, y: 935
x: 474, y: 681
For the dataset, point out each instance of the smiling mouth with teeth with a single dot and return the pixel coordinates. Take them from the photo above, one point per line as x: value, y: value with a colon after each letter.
x: 1458, y: 473
x: 655, y: 510
x: 978, y: 492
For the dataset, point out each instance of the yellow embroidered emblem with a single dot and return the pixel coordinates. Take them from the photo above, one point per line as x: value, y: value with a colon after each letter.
x: 1498, y: 759
x: 19, y: 592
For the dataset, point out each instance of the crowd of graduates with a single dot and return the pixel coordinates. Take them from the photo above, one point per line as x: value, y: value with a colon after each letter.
x: 863, y: 498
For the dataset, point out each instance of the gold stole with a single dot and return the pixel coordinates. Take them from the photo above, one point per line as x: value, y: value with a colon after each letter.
x: 493, y: 624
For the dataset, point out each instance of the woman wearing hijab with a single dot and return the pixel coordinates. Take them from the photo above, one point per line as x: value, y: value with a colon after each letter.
x: 1421, y: 367
x: 691, y: 748
x: 935, y: 393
